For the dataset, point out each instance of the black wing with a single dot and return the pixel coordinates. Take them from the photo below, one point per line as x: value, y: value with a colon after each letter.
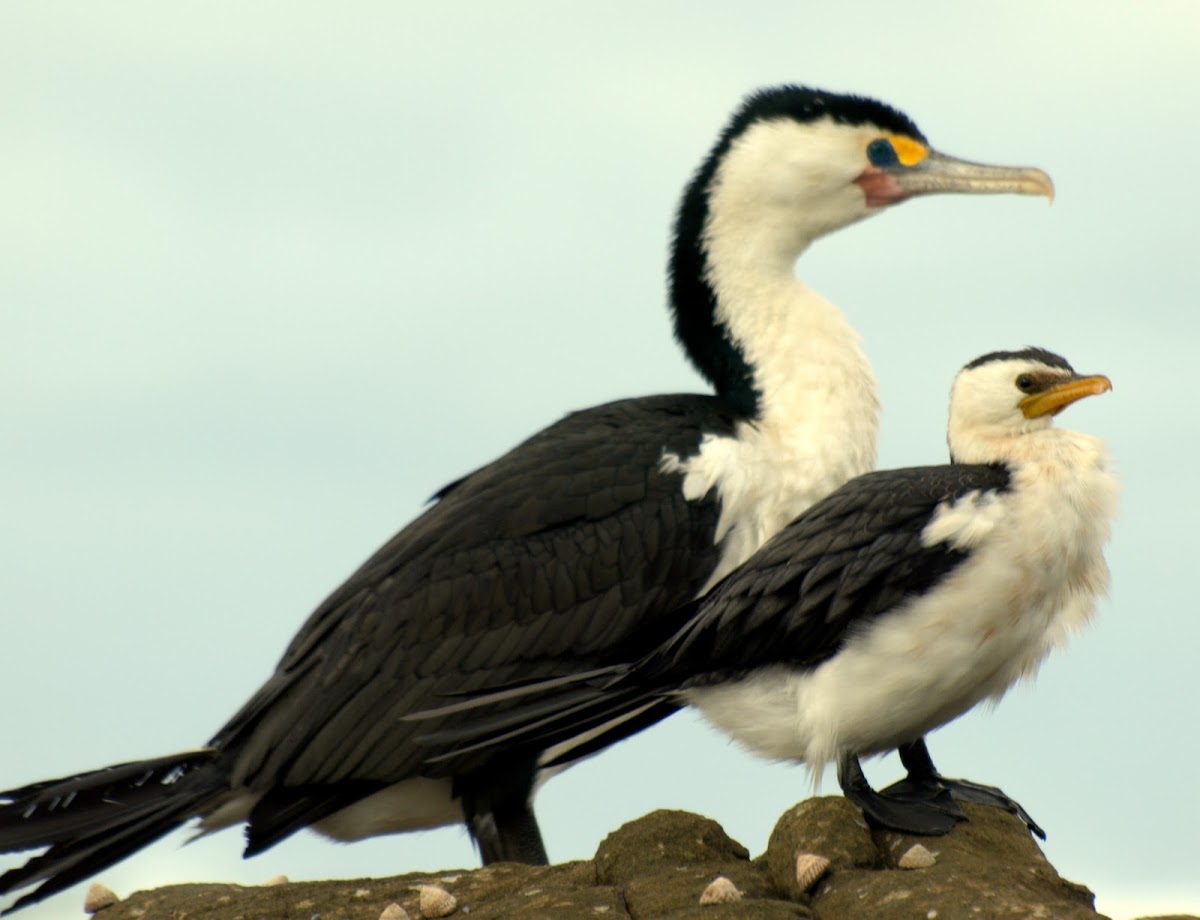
x: 570, y: 552
x: 851, y: 557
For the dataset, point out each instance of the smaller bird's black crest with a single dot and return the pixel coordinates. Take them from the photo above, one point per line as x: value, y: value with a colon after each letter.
x: 1031, y: 353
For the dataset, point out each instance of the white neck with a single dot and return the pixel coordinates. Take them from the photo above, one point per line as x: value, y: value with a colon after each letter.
x: 764, y: 211
x: 809, y: 368
x: 818, y: 412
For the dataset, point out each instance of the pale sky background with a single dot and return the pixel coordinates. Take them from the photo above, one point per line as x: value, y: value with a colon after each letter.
x: 272, y: 273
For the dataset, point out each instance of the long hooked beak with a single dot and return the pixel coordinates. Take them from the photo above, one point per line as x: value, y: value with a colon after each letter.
x: 938, y: 174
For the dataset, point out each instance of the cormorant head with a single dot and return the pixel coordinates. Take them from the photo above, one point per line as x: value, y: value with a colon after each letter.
x: 792, y: 165
x: 832, y: 159
x: 1005, y: 394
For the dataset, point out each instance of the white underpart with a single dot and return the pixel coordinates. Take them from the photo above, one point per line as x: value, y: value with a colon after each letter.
x: 777, y: 190
x: 1035, y: 573
x: 418, y: 803
x: 413, y: 804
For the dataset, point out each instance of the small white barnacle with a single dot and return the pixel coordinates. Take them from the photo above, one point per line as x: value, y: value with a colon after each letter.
x: 98, y: 897
x: 437, y: 901
x: 720, y: 891
x: 394, y: 912
x: 916, y: 857
x: 276, y: 880
x: 809, y: 868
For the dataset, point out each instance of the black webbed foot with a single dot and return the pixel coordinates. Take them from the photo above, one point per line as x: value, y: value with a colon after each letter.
x: 919, y: 813
x: 924, y: 781
x: 932, y: 792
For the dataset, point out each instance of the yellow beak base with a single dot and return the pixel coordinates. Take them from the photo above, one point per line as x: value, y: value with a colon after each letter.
x: 1053, y: 400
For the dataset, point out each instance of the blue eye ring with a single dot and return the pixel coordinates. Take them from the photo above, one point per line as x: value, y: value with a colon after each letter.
x: 880, y: 152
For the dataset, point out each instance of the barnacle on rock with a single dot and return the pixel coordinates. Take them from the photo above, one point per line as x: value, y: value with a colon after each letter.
x: 97, y: 898
x: 720, y: 891
x: 809, y: 868
x: 437, y: 901
x: 916, y: 857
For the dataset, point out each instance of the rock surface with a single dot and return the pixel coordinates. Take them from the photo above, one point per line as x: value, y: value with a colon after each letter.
x: 658, y: 866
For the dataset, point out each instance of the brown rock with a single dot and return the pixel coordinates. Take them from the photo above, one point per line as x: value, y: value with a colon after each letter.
x: 987, y: 866
x: 664, y: 837
x: 661, y: 862
x: 829, y: 827
x: 656, y: 867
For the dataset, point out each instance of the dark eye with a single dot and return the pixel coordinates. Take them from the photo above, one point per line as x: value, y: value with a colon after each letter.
x: 1025, y: 383
x: 881, y: 152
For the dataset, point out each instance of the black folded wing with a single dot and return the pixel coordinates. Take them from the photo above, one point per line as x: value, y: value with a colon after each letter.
x: 849, y: 559
x: 572, y: 551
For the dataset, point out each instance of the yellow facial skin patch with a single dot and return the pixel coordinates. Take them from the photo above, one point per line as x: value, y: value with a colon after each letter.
x: 908, y: 151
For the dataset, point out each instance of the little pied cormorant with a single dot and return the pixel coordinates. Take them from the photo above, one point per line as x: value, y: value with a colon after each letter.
x: 570, y: 552
x: 887, y: 609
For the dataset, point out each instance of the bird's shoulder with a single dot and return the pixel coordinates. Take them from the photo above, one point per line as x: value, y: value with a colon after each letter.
x: 851, y: 557
x: 596, y: 473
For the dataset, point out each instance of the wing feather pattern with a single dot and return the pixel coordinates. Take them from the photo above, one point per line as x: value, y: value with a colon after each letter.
x: 571, y: 552
x: 849, y: 559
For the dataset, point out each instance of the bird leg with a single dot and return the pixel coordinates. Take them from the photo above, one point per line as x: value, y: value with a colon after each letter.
x: 924, y: 783
x: 897, y: 812
x: 498, y: 812
x: 508, y: 834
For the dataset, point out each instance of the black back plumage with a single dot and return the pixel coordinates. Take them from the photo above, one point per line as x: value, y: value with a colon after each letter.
x: 568, y: 553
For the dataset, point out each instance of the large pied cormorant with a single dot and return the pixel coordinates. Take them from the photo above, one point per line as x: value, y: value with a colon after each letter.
x: 570, y: 552
x: 887, y: 609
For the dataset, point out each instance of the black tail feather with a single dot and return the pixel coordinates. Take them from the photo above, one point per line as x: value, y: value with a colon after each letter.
x: 655, y: 713
x: 542, y: 722
x: 93, y: 820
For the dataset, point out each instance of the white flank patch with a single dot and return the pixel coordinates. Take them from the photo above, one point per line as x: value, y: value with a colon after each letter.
x: 964, y: 523
x: 413, y: 804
